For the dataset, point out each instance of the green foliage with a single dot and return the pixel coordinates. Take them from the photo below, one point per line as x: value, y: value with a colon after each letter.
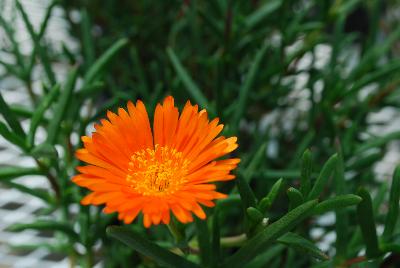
x: 307, y: 149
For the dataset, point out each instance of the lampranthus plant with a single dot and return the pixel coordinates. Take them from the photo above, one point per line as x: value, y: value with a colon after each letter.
x: 133, y: 168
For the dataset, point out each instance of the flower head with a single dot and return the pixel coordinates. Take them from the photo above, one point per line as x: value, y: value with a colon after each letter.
x: 133, y: 168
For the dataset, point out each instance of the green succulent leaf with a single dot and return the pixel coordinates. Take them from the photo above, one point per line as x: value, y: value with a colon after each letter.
x: 267, y: 201
x: 47, y: 225
x: 101, y: 63
x: 295, y: 198
x: 306, y: 172
x: 326, y: 172
x: 366, y: 221
x: 393, y: 213
x: 300, y: 243
x: 190, y: 85
x: 137, y: 242
x: 10, y: 118
x: 262, y: 240
x: 9, y: 172
x: 337, y: 203
x: 39, y: 113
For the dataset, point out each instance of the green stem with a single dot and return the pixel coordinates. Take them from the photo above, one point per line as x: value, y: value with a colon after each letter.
x: 30, y: 92
x: 179, y: 237
x: 233, y: 241
x: 226, y: 242
x: 176, y: 233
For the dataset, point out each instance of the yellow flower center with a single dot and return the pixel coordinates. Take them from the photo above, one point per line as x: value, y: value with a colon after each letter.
x: 157, y: 172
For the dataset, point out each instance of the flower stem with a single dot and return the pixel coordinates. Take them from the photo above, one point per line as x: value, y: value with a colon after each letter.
x: 233, y: 241
x: 176, y: 233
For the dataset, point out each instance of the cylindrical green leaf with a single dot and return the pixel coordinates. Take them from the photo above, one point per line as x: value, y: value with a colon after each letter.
x: 267, y: 201
x: 137, y: 242
x: 342, y: 217
x: 254, y: 214
x: 323, y: 177
x: 247, y: 195
x: 104, y: 59
x: 306, y: 172
x: 61, y: 107
x: 300, y: 243
x: 393, y: 213
x: 7, y: 173
x: 262, y: 12
x: 215, y: 241
x: 295, y: 198
x: 203, y: 237
x: 46, y: 225
x: 87, y: 39
x: 188, y: 82
x: 365, y: 161
x: 263, y: 239
x: 37, y: 192
x: 12, y: 137
x: 42, y: 52
x: 336, y: 203
x: 10, y: 118
x: 255, y: 162
x: 244, y: 90
x: 39, y: 112
x: 366, y: 221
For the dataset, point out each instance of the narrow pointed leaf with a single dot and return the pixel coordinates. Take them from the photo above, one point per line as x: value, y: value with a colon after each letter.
x: 11, y: 136
x: 90, y: 90
x: 10, y: 118
x: 336, y: 203
x: 46, y: 225
x: 254, y: 214
x: 203, y: 237
x: 9, y: 31
x: 38, y: 38
x: 267, y: 201
x: 262, y: 12
x: 306, y: 172
x: 11, y: 68
x: 21, y: 111
x: 264, y: 259
x: 248, y: 84
x: 61, y: 106
x: 87, y: 39
x: 366, y: 221
x: 377, y: 142
x: 42, y: 52
x: 188, y: 82
x: 302, y: 148
x: 7, y: 173
x: 215, y: 242
x: 273, y: 174
x: 255, y: 162
x: 342, y: 217
x: 326, y: 172
x: 295, y: 198
x: 39, y: 113
x: 365, y: 161
x: 300, y: 243
x: 100, y: 64
x: 393, y: 213
x: 247, y: 195
x: 37, y: 192
x: 264, y: 239
x: 137, y: 242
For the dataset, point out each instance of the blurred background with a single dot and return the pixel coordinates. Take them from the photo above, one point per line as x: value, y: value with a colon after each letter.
x: 282, y: 75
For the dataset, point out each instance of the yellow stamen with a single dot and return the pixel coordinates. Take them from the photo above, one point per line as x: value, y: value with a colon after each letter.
x: 157, y: 172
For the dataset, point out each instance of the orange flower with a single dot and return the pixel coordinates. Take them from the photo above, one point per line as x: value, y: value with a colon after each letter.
x: 133, y: 169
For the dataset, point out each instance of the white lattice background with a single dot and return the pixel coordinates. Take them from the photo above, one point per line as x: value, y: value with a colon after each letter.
x: 16, y: 207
